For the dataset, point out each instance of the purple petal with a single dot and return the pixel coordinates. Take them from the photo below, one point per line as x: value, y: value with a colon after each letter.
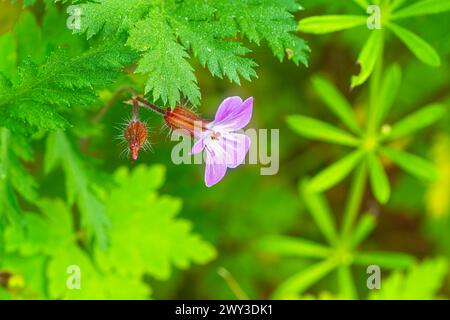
x: 215, y: 168
x: 198, y: 146
x: 233, y: 114
x: 235, y: 146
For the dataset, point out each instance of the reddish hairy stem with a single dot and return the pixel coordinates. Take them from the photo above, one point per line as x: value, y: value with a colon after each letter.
x: 149, y: 105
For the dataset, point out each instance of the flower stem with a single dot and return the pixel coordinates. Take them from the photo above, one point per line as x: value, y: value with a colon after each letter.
x: 146, y: 104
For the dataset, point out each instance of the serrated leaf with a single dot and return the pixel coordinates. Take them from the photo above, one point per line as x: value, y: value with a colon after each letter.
x: 149, y: 236
x: 14, y: 178
x: 41, y: 92
x: 222, y: 57
x: 422, y: 282
x: 110, y: 16
x: 78, y: 186
x: 164, y: 60
x: 163, y: 35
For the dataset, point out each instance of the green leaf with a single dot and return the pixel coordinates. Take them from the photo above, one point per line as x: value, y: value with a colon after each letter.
x: 320, y: 211
x: 335, y: 173
x: 396, y: 4
x: 378, y: 179
x: 412, y: 164
x: 355, y: 197
x: 368, y: 56
x: 389, y: 260
x: 79, y: 186
x: 296, y: 247
x: 164, y: 60
x: 29, y: 271
x: 222, y: 57
x: 362, y: 3
x: 43, y: 252
x: 328, y: 24
x: 268, y: 20
x: 15, y: 182
x: 43, y: 233
x: 336, y: 102
x: 41, y: 92
x: 388, y: 92
x: 421, y: 49
x: 28, y: 33
x: 110, y: 16
x: 316, y: 129
x: 422, y: 282
x: 8, y: 52
x: 149, y: 237
x: 422, y: 8
x: 416, y: 121
x: 165, y: 35
x: 363, y: 228
x: 304, y: 279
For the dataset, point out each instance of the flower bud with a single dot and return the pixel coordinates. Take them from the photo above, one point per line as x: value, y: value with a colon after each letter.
x: 184, y: 119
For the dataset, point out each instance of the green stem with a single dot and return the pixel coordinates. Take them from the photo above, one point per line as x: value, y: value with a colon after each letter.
x: 374, y: 91
x: 233, y: 284
x: 354, y: 200
x: 346, y: 284
x: 359, y: 180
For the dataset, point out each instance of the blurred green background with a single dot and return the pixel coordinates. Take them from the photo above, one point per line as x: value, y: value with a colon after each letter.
x: 244, y: 208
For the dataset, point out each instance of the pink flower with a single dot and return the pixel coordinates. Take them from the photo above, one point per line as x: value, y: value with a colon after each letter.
x: 223, y: 146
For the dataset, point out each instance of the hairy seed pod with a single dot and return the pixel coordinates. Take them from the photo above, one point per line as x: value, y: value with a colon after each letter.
x: 184, y: 119
x: 136, y: 135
